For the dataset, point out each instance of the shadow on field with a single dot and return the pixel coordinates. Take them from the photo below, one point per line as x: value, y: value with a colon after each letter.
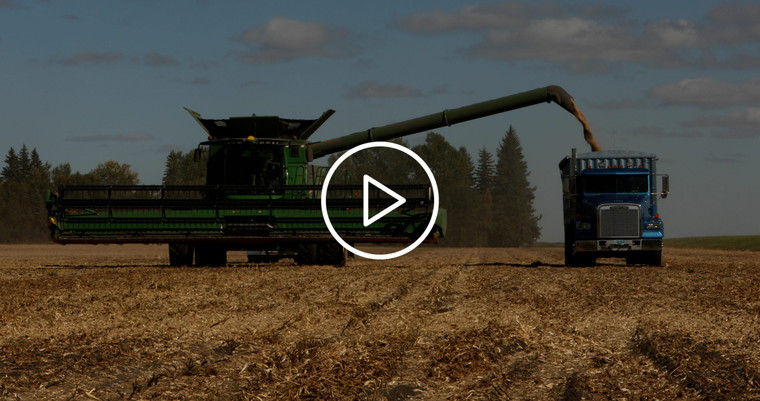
x: 58, y: 266
x: 536, y: 263
x: 697, y: 365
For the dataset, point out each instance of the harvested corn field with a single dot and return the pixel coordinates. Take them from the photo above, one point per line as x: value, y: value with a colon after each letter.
x: 112, y: 322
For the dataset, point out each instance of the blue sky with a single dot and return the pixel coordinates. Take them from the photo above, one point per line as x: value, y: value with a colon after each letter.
x: 88, y: 81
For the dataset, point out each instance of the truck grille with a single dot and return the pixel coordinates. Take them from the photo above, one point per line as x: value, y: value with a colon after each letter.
x: 619, y: 221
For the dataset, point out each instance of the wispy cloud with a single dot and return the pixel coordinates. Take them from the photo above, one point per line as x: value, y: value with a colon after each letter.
x: 707, y: 92
x: 284, y: 39
x: 372, y: 89
x: 618, y: 104
x: 658, y: 132
x: 156, y: 60
x: 9, y: 4
x: 729, y: 158
x: 89, y: 57
x: 127, y: 137
x: 595, y: 39
x: 734, y: 124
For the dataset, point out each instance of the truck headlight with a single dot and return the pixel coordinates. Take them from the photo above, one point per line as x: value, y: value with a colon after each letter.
x: 655, y: 225
x: 582, y: 226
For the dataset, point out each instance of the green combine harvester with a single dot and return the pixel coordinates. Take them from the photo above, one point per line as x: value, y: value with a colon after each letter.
x: 262, y: 193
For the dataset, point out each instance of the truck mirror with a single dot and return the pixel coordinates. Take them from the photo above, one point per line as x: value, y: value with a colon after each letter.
x: 197, y: 155
x: 565, y: 185
x: 665, y: 186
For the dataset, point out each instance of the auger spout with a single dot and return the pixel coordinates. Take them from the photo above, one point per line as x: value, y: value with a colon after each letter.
x: 448, y: 117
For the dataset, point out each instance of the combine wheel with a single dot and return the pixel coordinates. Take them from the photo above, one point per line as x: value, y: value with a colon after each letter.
x: 180, y: 254
x: 210, y: 255
x: 331, y: 254
x: 307, y: 254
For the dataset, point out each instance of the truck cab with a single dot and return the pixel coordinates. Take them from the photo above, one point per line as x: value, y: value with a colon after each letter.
x: 610, y: 207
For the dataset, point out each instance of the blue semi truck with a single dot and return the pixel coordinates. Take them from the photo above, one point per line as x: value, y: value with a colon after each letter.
x: 610, y: 207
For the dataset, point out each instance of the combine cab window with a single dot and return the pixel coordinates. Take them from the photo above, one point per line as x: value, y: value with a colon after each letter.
x: 244, y: 164
x: 615, y: 184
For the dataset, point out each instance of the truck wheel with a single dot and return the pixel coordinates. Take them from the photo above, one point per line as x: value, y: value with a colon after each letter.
x: 569, y: 255
x: 654, y: 258
x: 210, y: 255
x: 180, y: 254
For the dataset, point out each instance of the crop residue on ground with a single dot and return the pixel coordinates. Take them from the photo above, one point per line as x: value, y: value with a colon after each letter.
x: 111, y: 322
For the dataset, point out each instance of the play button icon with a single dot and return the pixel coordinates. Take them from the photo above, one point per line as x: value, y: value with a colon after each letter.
x: 366, y: 195
x: 366, y: 198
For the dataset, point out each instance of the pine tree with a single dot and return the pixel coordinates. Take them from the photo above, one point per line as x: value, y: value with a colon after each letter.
x: 25, y: 179
x: 484, y: 172
x: 10, y: 171
x: 453, y: 171
x: 515, y: 220
x: 483, y: 181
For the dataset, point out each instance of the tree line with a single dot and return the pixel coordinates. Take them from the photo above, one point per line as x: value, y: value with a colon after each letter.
x: 24, y: 182
x: 489, y: 202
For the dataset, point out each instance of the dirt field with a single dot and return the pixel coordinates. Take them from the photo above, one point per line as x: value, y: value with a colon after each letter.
x: 111, y: 322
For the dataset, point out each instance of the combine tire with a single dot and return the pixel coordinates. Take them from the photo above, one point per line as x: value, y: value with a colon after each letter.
x: 180, y: 254
x: 331, y: 254
x: 210, y: 255
x: 306, y: 254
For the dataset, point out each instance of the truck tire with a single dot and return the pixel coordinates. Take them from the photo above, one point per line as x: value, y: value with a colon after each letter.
x: 210, y: 255
x: 648, y: 258
x: 180, y: 254
x: 654, y: 258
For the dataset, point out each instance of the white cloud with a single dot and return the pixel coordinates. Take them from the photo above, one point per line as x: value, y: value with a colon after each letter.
x: 748, y: 118
x: 157, y: 60
x: 476, y: 16
x: 673, y: 34
x: 283, y: 39
x: 90, y: 57
x: 707, y: 92
x: 592, y: 39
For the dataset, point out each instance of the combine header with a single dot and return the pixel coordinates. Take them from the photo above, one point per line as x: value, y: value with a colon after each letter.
x: 262, y: 194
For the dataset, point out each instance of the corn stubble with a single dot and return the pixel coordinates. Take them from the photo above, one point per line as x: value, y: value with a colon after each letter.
x: 111, y: 323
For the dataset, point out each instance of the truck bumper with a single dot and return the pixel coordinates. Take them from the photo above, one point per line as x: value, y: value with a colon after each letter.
x: 618, y: 245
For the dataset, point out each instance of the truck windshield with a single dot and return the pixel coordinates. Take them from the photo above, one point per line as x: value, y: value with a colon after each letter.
x: 616, y: 183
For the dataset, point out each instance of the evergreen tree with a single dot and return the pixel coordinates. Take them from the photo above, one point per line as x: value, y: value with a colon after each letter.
x: 484, y: 172
x: 515, y: 220
x: 453, y: 171
x: 10, y: 171
x: 483, y: 182
x: 25, y: 179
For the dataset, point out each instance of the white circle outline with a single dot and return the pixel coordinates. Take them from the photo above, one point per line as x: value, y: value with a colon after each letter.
x: 381, y: 256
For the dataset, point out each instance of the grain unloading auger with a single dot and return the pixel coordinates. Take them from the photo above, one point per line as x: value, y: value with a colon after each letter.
x: 263, y: 194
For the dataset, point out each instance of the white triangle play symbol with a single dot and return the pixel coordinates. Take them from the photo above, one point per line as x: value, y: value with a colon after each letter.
x: 399, y: 200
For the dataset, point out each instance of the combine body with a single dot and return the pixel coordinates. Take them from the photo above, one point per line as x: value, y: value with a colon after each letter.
x: 263, y: 195
x: 610, y: 207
